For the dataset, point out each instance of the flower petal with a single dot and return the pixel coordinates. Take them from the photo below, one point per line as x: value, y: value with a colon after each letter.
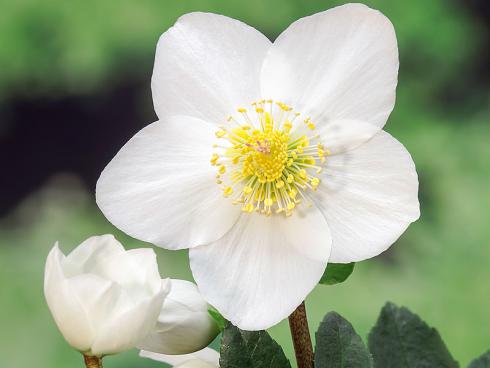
x: 136, y: 269
x: 206, y: 355
x: 96, y: 294
x: 246, y: 272
x: 161, y: 187
x: 92, y: 254
x: 206, y: 66
x: 338, y: 64
x: 68, y: 312
x: 126, y: 328
x: 343, y: 135
x: 184, y: 324
x: 369, y: 196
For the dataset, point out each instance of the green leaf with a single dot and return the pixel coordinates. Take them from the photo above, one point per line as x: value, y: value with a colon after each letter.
x: 336, y: 273
x: 250, y: 349
x: 481, y: 362
x: 401, y: 339
x: 339, y: 346
x: 218, y: 318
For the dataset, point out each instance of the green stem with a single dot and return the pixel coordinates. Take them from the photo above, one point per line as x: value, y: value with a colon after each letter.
x: 92, y: 361
x: 300, y: 333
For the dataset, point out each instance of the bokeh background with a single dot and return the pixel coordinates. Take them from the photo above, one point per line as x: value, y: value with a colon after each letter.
x: 75, y: 86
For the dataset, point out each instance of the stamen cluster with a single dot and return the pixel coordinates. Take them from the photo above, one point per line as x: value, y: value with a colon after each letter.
x: 266, y: 162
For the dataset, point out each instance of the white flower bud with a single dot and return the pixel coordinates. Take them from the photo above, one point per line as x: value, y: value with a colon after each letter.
x: 104, y: 299
x: 184, y: 325
x: 205, y: 358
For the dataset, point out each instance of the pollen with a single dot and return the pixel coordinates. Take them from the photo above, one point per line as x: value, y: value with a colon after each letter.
x: 227, y: 191
x: 266, y: 161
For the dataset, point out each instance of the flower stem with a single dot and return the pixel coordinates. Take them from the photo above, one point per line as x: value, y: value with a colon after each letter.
x: 298, y: 324
x: 92, y: 361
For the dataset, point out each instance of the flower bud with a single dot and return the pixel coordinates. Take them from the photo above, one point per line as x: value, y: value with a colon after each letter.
x: 104, y: 299
x: 205, y: 358
x: 184, y: 324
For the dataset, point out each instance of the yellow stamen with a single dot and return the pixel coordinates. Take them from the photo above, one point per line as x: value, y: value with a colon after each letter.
x: 264, y: 163
x: 228, y: 191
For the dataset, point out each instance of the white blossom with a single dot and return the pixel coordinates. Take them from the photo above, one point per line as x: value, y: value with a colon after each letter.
x: 269, y: 159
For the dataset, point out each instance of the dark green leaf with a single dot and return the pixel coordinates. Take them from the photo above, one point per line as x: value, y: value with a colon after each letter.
x: 336, y: 273
x: 250, y: 349
x: 481, y: 362
x: 401, y: 339
x: 218, y: 318
x: 339, y: 346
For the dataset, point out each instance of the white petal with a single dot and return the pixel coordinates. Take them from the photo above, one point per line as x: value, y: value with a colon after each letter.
x: 69, y: 314
x: 195, y: 364
x: 206, y: 66
x: 124, y: 330
x: 184, y: 324
x: 136, y: 269
x: 205, y: 356
x: 369, y: 196
x: 161, y: 187
x: 96, y: 295
x: 343, y: 135
x: 338, y: 64
x: 246, y: 273
x: 91, y: 254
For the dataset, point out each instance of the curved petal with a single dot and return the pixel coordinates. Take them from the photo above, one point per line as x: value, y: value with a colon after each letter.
x: 369, y: 196
x: 96, y: 295
x: 206, y: 355
x: 69, y: 314
x: 340, y: 136
x: 244, y: 274
x: 184, y: 324
x: 196, y: 363
x: 160, y: 187
x: 124, y: 330
x: 338, y: 64
x: 206, y: 66
x: 136, y: 269
x: 92, y: 254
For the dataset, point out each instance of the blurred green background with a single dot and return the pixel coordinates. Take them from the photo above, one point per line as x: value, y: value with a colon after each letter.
x: 74, y: 86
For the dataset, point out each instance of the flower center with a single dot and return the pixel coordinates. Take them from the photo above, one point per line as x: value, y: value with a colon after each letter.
x: 268, y: 162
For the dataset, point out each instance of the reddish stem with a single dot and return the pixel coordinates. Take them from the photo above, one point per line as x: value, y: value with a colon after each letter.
x: 298, y: 324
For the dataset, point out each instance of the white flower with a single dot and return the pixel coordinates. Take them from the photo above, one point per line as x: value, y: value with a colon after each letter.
x: 205, y: 358
x: 104, y: 299
x: 268, y: 159
x: 184, y: 325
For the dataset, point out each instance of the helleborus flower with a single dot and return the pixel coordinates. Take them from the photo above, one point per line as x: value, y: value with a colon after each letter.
x: 205, y: 358
x: 184, y: 324
x: 268, y: 159
x: 104, y: 299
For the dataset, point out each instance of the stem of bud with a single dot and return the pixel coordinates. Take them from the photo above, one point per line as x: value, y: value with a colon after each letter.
x: 92, y: 361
